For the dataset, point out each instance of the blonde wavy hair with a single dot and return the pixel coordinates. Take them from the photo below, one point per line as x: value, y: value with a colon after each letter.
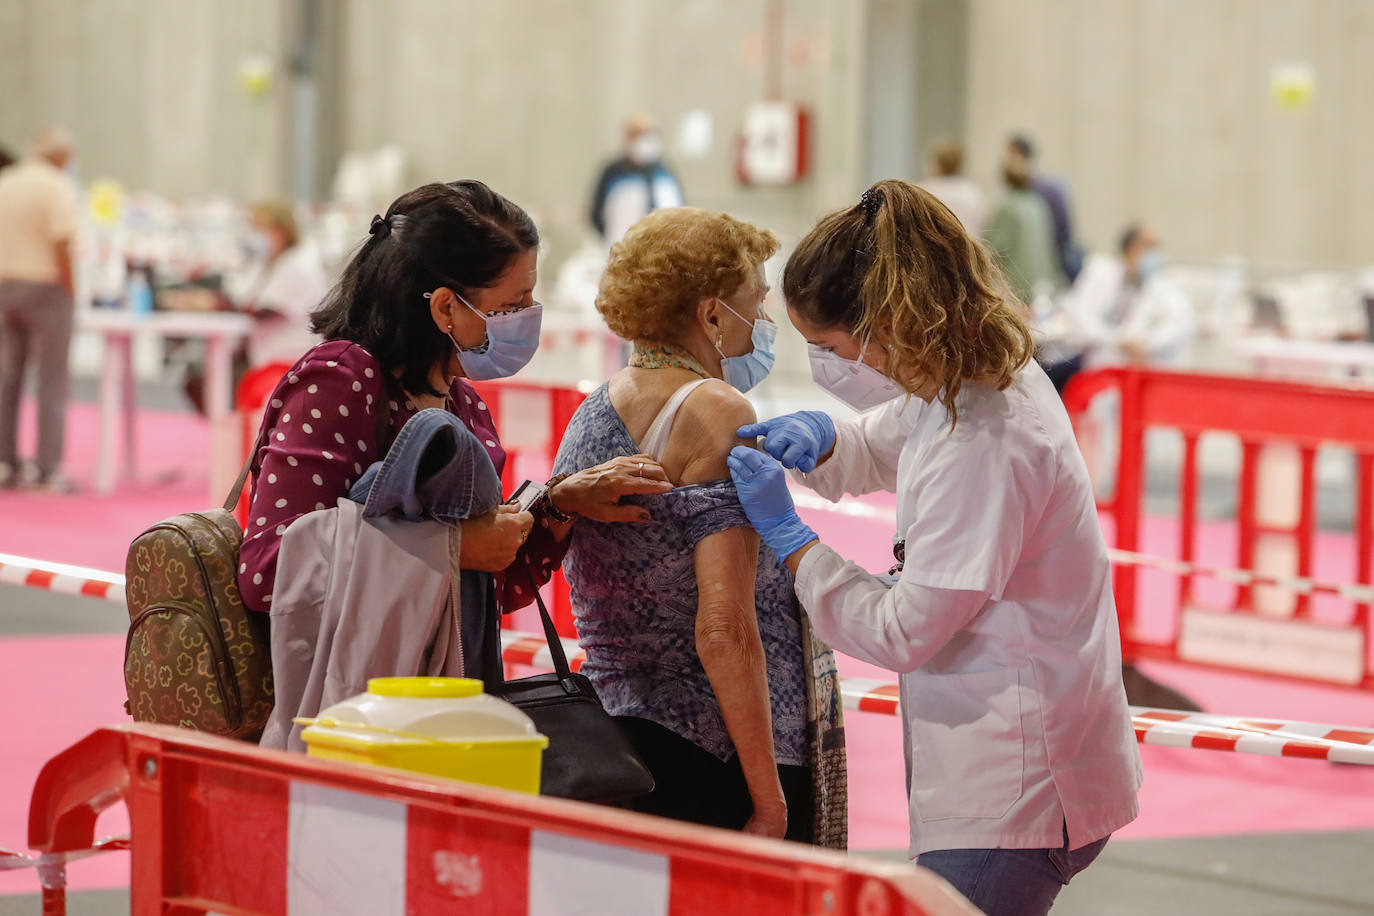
x: 899, y: 261
x: 671, y: 260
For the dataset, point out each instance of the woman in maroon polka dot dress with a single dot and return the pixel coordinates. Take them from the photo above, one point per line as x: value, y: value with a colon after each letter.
x: 441, y: 291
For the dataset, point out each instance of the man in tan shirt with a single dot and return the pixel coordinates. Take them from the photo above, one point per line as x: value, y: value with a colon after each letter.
x: 38, y: 221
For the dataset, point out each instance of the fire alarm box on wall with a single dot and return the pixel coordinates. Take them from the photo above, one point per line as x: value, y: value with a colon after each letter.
x: 773, y: 145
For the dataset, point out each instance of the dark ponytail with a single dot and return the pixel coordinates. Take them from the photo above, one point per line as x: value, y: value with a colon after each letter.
x: 461, y: 234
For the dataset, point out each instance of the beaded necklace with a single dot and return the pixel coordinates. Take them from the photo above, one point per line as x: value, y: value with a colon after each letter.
x: 663, y: 357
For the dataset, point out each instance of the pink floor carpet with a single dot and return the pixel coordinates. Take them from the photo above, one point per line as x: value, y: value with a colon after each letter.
x: 58, y: 689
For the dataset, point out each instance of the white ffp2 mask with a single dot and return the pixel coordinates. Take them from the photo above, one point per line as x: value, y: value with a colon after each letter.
x: 853, y: 381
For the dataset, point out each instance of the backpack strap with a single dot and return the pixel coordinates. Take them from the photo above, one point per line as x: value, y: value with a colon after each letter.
x: 232, y: 500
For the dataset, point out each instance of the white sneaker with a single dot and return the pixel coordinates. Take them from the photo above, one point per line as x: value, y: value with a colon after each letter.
x: 55, y: 482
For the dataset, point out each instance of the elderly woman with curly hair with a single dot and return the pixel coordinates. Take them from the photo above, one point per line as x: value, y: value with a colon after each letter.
x: 692, y: 630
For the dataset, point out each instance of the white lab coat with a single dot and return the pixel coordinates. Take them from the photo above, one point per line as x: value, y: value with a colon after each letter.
x: 1157, y: 315
x: 294, y: 285
x: 1002, y: 623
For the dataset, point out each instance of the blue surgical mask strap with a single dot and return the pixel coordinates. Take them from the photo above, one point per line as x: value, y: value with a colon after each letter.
x: 486, y: 342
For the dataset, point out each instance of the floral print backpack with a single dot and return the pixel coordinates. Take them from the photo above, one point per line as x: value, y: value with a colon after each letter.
x: 195, y: 656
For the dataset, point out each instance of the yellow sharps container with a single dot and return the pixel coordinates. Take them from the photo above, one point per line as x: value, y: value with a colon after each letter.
x: 440, y: 726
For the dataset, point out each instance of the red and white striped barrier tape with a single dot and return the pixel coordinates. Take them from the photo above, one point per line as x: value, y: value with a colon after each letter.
x: 1165, y: 727
x: 1300, y: 585
x: 1270, y: 737
x: 61, y: 577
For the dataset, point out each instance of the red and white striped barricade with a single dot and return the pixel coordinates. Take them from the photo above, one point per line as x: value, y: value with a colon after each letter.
x: 222, y: 826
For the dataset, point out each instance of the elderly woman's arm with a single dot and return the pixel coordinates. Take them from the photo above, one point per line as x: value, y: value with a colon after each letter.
x: 731, y: 651
x: 727, y: 627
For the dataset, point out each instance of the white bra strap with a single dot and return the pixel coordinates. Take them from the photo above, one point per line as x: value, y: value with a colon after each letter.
x: 656, y: 438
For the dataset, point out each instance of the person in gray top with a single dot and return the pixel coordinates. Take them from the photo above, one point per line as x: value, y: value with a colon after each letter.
x: 693, y: 635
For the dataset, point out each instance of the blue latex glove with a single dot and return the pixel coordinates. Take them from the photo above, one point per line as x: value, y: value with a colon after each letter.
x: 762, y: 485
x: 798, y: 440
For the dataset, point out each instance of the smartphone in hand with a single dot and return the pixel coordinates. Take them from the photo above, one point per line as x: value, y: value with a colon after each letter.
x: 527, y: 495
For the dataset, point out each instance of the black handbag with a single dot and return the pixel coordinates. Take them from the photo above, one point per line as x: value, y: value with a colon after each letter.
x: 588, y: 758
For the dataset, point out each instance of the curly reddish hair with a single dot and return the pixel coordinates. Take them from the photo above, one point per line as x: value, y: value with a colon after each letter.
x: 671, y: 260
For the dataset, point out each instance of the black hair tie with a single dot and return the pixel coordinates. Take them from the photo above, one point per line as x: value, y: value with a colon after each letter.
x: 870, y: 201
x: 380, y: 226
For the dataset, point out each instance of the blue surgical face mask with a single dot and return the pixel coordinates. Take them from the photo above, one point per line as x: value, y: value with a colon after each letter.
x: 512, y: 338
x: 1151, y: 262
x: 744, y: 372
x: 257, y: 246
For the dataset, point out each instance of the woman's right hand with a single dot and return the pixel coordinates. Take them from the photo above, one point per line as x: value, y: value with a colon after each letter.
x: 491, y: 541
x: 800, y: 440
x: 768, y: 820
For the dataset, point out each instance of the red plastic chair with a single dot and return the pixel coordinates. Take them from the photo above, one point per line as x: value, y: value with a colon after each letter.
x: 255, y: 387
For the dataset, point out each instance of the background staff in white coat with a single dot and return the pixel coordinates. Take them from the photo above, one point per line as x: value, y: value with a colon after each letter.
x: 1021, y: 755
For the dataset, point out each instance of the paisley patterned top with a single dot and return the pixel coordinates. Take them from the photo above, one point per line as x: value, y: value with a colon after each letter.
x: 634, y: 595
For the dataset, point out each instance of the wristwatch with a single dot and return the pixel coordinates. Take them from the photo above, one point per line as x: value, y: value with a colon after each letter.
x: 550, y: 509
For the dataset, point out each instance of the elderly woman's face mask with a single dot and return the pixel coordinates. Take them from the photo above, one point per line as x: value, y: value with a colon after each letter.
x: 746, y: 371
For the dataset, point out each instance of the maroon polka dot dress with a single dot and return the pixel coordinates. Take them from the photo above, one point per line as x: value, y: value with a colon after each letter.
x: 318, y: 435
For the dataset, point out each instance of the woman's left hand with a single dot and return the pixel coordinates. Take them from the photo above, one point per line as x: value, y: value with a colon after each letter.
x: 762, y: 486
x: 595, y: 493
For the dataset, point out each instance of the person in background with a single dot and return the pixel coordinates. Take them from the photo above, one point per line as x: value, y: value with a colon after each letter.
x: 635, y: 184
x: 1022, y: 236
x: 289, y: 281
x: 285, y: 281
x: 38, y: 221
x: 1055, y: 192
x: 954, y: 189
x: 1123, y: 311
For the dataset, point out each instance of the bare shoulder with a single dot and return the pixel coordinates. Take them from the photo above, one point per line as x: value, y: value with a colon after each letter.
x: 716, y: 403
x: 705, y: 430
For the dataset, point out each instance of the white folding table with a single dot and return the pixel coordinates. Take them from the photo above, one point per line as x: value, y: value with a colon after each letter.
x: 1323, y: 360
x: 118, y: 398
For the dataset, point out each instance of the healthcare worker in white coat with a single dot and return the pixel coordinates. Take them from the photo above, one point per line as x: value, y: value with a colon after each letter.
x: 1021, y: 755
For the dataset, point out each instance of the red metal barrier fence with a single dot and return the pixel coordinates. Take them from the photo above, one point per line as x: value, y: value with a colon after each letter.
x: 221, y: 826
x: 1265, y: 416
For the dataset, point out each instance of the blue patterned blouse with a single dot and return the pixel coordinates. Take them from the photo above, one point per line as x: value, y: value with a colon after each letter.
x: 634, y: 594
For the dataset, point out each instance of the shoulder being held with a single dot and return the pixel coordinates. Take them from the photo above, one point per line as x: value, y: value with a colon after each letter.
x: 717, y: 408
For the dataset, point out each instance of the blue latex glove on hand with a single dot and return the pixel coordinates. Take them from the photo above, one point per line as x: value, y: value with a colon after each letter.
x: 798, y: 440
x: 762, y: 485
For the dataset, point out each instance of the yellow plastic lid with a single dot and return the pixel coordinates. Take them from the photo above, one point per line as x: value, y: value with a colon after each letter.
x: 425, y: 687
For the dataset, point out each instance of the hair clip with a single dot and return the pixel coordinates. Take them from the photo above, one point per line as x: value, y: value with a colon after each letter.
x: 377, y: 223
x: 870, y: 201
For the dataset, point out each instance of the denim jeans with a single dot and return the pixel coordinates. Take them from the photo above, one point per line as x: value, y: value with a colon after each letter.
x: 1011, y: 882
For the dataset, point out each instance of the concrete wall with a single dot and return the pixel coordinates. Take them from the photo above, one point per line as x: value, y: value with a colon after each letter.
x: 149, y: 87
x: 530, y: 95
x: 1161, y: 109
x: 1157, y: 109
